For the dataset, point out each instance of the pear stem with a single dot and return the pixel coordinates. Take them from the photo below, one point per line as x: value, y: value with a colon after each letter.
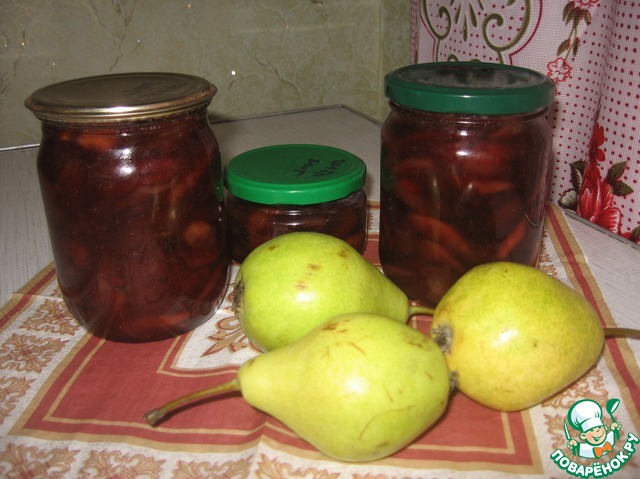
x: 156, y: 415
x: 415, y: 310
x: 622, y: 332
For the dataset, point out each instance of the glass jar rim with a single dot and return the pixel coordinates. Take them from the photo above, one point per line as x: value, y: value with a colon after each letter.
x: 120, y: 97
x: 294, y: 174
x: 477, y: 88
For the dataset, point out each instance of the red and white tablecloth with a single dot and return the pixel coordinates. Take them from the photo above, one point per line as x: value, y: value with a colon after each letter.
x: 72, y: 405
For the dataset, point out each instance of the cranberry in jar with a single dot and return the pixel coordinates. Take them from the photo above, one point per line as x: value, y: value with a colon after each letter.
x: 131, y: 181
x: 285, y: 188
x: 465, y: 162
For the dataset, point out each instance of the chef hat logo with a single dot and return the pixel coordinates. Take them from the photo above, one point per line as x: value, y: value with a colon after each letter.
x: 585, y: 414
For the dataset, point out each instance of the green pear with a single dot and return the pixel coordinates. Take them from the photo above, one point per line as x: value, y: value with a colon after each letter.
x: 358, y: 388
x: 294, y: 282
x: 514, y: 336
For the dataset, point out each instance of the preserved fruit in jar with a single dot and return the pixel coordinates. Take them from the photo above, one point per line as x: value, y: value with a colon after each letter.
x: 131, y: 181
x: 285, y: 188
x: 465, y: 161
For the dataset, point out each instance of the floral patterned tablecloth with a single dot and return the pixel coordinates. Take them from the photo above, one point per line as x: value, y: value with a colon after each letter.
x: 589, y: 48
x: 71, y: 405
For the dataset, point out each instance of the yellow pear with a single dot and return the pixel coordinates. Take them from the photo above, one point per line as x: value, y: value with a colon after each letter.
x: 513, y: 336
x: 359, y: 387
x: 294, y: 282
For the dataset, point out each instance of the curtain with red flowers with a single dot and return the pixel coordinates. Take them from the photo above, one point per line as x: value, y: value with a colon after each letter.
x: 589, y: 48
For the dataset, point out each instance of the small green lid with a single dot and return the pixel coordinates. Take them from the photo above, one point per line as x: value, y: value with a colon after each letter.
x: 294, y: 174
x: 469, y: 87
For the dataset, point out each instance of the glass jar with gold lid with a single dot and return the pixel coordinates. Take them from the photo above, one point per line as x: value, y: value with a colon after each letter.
x: 131, y: 182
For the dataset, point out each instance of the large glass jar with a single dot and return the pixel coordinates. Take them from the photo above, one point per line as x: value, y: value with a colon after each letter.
x: 131, y: 181
x: 465, y: 162
x: 285, y: 188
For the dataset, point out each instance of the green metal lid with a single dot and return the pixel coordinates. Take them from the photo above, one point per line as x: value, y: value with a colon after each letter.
x: 469, y: 87
x: 294, y: 174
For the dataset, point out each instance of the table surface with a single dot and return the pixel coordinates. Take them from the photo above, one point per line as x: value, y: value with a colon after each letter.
x: 611, y: 263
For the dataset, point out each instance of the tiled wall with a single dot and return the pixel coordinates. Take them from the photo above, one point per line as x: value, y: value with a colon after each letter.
x: 264, y: 56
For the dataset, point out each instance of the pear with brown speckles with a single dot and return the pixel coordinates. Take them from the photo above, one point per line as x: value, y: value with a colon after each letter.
x: 359, y: 387
x: 294, y: 282
x: 514, y: 336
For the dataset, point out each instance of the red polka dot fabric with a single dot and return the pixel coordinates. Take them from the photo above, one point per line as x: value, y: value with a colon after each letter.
x: 589, y: 48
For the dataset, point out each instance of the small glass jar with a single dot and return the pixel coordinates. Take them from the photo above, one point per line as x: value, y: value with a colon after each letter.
x: 131, y: 182
x: 465, y: 163
x: 285, y: 188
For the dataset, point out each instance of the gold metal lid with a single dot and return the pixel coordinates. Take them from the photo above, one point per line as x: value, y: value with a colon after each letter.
x: 120, y: 97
